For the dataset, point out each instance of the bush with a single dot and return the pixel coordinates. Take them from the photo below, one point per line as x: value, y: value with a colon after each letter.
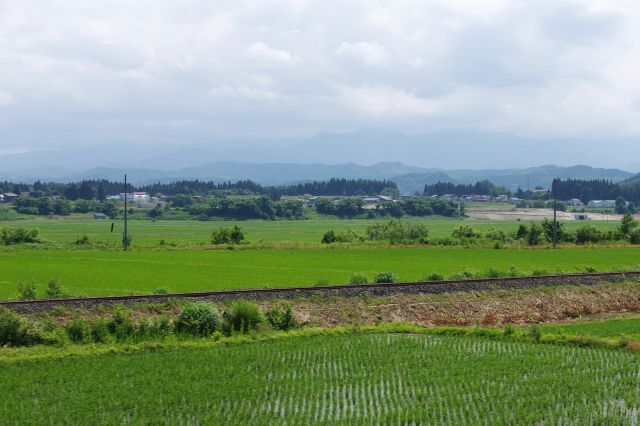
x: 243, y: 316
x: 198, y: 319
x: 348, y: 236
x: 465, y: 231
x: 78, y: 331
x: 497, y: 235
x: 83, y: 241
x: 100, y: 331
x: 54, y: 289
x: 10, y: 236
x: 329, y: 237
x: 494, y: 273
x: 281, y: 317
x: 27, y: 290
x: 121, y: 325
x: 233, y: 235
x: 539, y: 272
x: 634, y: 236
x: 509, y: 330
x: 385, y: 277
x: 534, y: 234
x: 397, y: 232
x: 588, y: 234
x: 16, y: 331
x: 535, y: 332
x: 160, y: 291
x: 434, y: 277
x: 358, y: 279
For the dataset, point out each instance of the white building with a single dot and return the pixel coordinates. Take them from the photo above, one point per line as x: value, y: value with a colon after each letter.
x: 602, y: 204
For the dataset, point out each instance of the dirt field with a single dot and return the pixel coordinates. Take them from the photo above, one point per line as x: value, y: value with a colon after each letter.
x: 487, y: 308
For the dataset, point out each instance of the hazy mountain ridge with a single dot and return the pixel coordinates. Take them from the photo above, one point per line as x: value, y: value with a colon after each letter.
x: 409, y: 178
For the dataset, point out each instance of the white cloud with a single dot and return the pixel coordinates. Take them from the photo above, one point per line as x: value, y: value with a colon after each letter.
x: 5, y: 99
x: 371, y: 53
x: 384, y: 100
x: 263, y: 52
x: 242, y: 92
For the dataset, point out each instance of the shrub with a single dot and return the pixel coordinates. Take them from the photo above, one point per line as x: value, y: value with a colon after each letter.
x: 121, y: 325
x: 397, y: 232
x: 233, y: 235
x: 78, y: 331
x: 434, y: 277
x: 198, y: 319
x: 321, y: 282
x: 244, y: 316
x: 54, y: 289
x: 16, y: 331
x: 83, y: 241
x: 281, y: 316
x: 27, y: 290
x: 329, y: 237
x: 588, y: 234
x: 634, y: 236
x: 10, y: 236
x: 465, y: 231
x: 522, y: 232
x: 497, y: 235
x: 357, y: 279
x: 494, y: 273
x: 100, y: 331
x: 160, y: 290
x: 539, y: 272
x: 385, y: 277
x: 534, y: 234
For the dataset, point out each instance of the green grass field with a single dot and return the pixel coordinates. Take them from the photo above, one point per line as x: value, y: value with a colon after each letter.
x: 331, y: 379
x: 628, y: 327
x: 146, y: 233
x: 96, y: 272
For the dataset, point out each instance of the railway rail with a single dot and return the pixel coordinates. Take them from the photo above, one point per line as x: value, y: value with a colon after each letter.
x: 427, y: 287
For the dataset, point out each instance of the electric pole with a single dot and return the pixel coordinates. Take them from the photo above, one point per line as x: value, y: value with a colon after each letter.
x: 125, y: 240
x: 554, y: 185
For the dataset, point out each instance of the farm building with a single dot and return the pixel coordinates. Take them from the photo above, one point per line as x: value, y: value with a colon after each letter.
x: 8, y: 197
x: 99, y: 216
x: 581, y: 216
x: 602, y: 204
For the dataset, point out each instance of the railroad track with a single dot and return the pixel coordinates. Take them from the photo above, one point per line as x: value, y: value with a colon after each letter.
x: 427, y: 287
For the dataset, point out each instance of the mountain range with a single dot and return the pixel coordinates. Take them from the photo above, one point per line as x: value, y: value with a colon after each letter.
x: 409, y: 178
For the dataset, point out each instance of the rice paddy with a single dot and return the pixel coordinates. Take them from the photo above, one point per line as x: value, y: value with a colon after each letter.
x: 332, y: 379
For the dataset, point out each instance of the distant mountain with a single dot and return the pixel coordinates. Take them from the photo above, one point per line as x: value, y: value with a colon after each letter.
x: 635, y: 180
x: 435, y: 151
x: 409, y: 178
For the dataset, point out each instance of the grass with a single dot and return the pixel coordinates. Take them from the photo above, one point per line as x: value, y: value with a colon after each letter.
x: 146, y: 233
x: 329, y: 378
x: 610, y: 328
x: 95, y: 272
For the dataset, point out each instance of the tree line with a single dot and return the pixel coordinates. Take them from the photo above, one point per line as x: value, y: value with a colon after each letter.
x: 584, y: 190
x: 99, y: 189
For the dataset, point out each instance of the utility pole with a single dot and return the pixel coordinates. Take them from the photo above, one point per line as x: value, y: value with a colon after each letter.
x: 125, y: 239
x: 555, y: 212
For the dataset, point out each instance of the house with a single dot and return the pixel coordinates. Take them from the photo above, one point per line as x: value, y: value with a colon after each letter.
x: 602, y: 204
x: 502, y: 198
x: 574, y: 202
x: 581, y: 216
x: 385, y: 198
x: 99, y: 216
x: 480, y: 198
x: 371, y: 200
x: 514, y: 200
x: 135, y: 197
x: 8, y: 197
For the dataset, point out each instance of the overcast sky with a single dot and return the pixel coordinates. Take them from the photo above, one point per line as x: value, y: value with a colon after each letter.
x: 176, y: 72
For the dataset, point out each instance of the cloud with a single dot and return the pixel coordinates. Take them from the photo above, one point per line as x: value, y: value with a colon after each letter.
x: 263, y: 52
x: 5, y: 99
x: 242, y: 92
x: 384, y: 100
x: 545, y: 68
x: 370, y: 53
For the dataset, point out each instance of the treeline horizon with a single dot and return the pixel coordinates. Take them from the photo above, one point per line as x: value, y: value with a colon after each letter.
x: 583, y: 190
x: 101, y: 188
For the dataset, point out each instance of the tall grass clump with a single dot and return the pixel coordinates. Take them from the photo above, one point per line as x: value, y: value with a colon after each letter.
x: 281, y: 316
x: 243, y: 316
x: 198, y: 319
x: 17, y: 331
x: 27, y: 290
x: 386, y: 277
x: 358, y: 279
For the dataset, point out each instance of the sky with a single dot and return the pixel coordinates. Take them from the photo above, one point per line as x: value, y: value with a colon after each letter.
x: 78, y: 73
